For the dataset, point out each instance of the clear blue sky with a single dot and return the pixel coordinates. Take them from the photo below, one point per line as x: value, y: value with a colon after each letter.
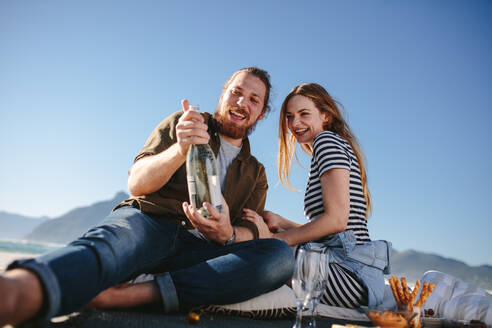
x: 83, y: 83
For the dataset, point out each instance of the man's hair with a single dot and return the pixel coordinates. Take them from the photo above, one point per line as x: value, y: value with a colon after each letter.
x: 262, y: 75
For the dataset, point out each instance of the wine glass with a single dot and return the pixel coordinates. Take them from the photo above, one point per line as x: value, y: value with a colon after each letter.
x: 304, y: 280
x: 320, y: 284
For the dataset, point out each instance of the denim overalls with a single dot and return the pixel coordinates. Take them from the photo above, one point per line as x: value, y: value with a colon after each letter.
x: 369, y: 261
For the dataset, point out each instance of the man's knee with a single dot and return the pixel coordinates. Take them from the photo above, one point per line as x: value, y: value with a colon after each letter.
x: 279, y: 266
x: 120, y: 234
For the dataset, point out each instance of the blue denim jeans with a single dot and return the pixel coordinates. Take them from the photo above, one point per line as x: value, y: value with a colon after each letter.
x: 193, y: 271
x: 369, y: 261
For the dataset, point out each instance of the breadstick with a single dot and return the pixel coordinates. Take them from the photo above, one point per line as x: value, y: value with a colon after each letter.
x: 400, y: 292
x: 413, y: 296
x: 406, y: 293
x: 422, y: 292
x: 393, y: 289
x: 430, y: 289
x: 427, y: 289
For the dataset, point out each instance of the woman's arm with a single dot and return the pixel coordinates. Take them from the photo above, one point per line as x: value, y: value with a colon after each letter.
x: 336, y: 202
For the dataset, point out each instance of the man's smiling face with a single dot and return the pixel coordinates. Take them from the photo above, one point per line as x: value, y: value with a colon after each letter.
x: 240, y: 106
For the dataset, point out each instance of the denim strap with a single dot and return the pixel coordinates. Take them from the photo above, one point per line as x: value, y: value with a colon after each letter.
x: 168, y: 293
x: 343, y: 247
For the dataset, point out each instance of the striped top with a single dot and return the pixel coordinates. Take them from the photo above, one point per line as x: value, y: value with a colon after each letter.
x: 331, y: 151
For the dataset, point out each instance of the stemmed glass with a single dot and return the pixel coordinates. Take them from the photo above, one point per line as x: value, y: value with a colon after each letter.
x: 305, y: 278
x: 320, y: 285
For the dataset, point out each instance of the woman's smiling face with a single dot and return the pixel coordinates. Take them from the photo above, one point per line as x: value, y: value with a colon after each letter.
x: 304, y: 119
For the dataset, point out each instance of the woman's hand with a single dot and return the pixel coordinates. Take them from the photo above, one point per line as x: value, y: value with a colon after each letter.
x: 254, y: 217
x: 273, y: 221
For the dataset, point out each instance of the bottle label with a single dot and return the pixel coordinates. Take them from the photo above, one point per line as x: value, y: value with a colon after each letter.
x: 215, y: 194
x: 191, y: 186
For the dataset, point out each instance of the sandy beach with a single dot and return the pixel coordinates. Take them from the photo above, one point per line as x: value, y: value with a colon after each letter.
x: 7, y: 257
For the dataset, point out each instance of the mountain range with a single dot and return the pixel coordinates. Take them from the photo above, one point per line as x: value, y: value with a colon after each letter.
x: 65, y: 228
x: 14, y: 226
x: 412, y: 265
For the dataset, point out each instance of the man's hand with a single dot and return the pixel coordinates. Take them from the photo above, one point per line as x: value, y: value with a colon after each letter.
x: 190, y: 129
x: 254, y: 217
x: 217, y: 228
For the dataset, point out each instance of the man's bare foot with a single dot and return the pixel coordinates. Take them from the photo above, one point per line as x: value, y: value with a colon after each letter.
x: 127, y: 295
x: 21, y: 296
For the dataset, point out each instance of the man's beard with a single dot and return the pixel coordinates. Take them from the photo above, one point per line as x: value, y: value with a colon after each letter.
x: 230, y: 129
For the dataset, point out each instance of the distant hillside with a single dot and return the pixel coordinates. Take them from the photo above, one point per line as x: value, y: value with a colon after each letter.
x: 413, y: 264
x: 71, y: 225
x: 14, y: 226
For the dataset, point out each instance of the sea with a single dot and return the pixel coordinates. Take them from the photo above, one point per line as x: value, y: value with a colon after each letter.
x: 26, y: 246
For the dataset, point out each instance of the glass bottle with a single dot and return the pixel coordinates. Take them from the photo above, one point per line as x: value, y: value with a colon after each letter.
x: 203, y: 176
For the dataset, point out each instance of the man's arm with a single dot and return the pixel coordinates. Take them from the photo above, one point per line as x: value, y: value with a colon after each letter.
x: 243, y: 234
x: 150, y: 173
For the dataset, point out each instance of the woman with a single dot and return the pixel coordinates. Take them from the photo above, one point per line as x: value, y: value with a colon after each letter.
x: 337, y: 200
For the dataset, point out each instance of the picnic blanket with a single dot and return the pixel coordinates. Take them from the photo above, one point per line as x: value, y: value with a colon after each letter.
x: 451, y: 299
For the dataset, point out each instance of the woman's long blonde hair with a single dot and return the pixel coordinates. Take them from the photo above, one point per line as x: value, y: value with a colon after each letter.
x: 287, y: 142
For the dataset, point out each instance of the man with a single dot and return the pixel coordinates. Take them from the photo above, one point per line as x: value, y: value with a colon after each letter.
x: 198, y: 261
